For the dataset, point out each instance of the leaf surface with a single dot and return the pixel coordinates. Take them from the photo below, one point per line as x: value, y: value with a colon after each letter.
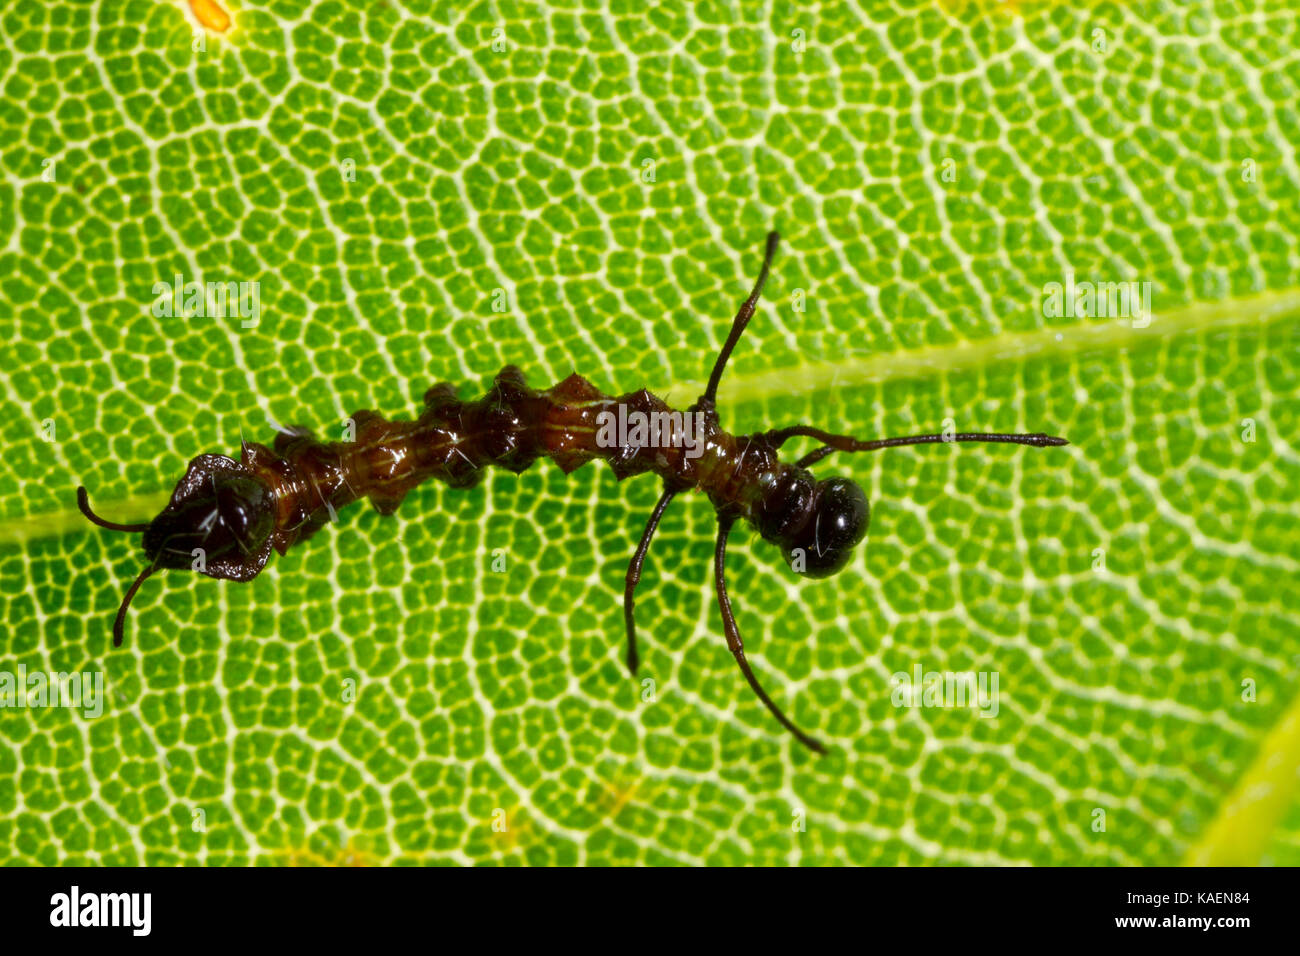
x: 390, y: 173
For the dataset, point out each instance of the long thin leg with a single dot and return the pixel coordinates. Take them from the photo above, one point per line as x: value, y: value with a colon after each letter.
x: 814, y: 456
x: 83, y: 502
x: 738, y: 324
x: 634, y: 575
x: 833, y: 443
x: 119, y: 622
x: 734, y: 643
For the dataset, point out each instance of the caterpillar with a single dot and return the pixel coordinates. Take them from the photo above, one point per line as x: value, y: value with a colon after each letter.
x: 225, y: 517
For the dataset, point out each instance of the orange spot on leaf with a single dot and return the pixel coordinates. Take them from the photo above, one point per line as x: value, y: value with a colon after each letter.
x: 211, y: 15
x: 348, y: 855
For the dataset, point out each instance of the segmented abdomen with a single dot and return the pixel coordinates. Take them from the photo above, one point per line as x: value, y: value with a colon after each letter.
x: 510, y: 427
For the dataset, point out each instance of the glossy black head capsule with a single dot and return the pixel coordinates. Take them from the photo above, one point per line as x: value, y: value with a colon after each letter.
x: 219, y: 522
x: 816, y: 524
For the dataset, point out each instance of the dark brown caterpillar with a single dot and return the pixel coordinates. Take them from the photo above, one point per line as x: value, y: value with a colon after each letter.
x: 225, y: 516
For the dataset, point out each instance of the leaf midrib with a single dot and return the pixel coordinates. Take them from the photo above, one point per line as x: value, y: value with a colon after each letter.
x: 1078, y: 339
x: 853, y: 370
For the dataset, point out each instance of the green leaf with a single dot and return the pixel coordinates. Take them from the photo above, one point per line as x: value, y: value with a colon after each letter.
x: 610, y: 174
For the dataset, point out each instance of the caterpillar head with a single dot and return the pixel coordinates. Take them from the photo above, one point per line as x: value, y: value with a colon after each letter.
x: 219, y: 522
x: 816, y: 524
